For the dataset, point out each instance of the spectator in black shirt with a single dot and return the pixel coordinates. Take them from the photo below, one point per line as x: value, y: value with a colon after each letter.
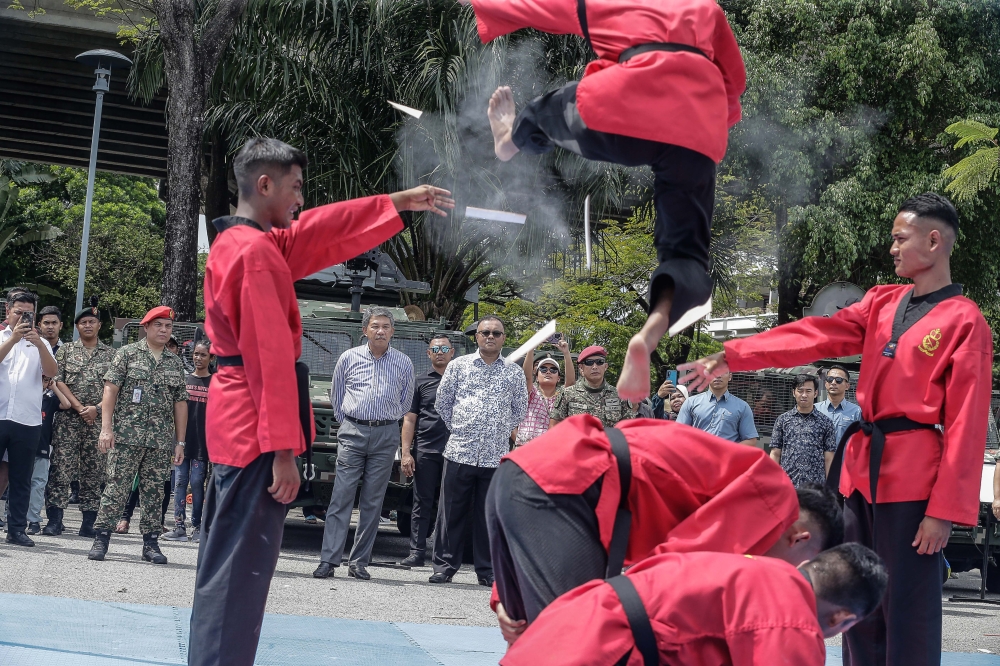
x: 423, y: 425
x: 195, y: 466
x: 52, y: 400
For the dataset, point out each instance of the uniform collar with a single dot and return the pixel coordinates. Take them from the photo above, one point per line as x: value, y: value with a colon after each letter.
x: 599, y: 389
x: 724, y: 398
x: 230, y: 221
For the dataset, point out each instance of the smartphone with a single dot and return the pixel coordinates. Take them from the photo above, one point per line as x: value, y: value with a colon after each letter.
x: 27, y: 317
x: 554, y: 338
x: 672, y: 377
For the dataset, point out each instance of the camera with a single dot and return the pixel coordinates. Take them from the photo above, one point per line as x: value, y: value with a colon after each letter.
x: 27, y: 317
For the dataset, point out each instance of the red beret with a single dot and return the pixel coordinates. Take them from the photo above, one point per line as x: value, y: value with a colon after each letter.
x: 161, y: 312
x: 593, y: 350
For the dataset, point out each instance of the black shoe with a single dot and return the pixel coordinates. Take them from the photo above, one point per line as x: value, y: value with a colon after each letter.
x: 55, y: 525
x: 19, y: 538
x: 359, y: 572
x: 324, y: 570
x: 440, y: 578
x: 151, y: 548
x: 413, y: 561
x: 34, y: 528
x: 100, y: 548
x: 486, y: 581
x: 87, y: 526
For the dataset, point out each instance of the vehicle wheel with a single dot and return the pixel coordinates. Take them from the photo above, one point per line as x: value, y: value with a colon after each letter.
x: 993, y: 579
x: 403, y: 523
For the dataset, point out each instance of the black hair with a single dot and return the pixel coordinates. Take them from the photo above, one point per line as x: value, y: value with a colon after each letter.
x: 490, y: 318
x: 440, y: 336
x: 805, y: 378
x: 50, y: 310
x: 173, y: 341
x: 850, y: 576
x: 263, y: 154
x: 823, y: 508
x: 837, y: 366
x: 203, y: 342
x: 20, y: 295
x: 934, y: 206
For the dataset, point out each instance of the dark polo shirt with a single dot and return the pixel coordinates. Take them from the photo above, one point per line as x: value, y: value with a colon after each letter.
x: 432, y: 433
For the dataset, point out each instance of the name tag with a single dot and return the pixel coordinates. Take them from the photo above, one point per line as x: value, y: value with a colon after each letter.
x: 890, y: 350
x: 136, y: 395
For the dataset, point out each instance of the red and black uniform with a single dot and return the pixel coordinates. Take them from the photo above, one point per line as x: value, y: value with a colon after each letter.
x: 664, y: 92
x: 552, y: 505
x: 938, y: 372
x: 252, y: 318
x: 705, y: 609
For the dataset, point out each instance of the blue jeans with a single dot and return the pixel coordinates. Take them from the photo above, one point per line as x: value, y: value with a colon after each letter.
x: 192, y: 471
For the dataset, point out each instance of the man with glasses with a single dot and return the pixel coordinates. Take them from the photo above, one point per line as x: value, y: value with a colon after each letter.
x: 481, y: 399
x: 593, y: 395
x: 836, y: 408
x: 423, y: 425
x: 802, y: 441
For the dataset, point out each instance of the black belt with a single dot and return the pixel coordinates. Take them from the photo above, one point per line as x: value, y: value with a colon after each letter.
x: 623, y: 517
x: 371, y: 424
x: 638, y: 619
x: 639, y: 49
x: 229, y: 361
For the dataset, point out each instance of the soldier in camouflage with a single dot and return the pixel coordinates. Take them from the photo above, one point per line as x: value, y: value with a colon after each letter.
x: 143, y: 425
x: 82, y: 365
x: 592, y: 396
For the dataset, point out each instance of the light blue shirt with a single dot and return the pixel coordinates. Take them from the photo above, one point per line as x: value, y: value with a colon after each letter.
x: 842, y: 416
x: 728, y: 417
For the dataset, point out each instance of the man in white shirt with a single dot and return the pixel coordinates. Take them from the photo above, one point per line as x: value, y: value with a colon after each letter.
x: 24, y: 358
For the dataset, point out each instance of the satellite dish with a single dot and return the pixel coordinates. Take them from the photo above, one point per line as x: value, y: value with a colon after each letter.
x: 834, y: 297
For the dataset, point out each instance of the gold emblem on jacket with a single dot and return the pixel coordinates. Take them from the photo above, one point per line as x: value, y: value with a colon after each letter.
x: 931, y: 342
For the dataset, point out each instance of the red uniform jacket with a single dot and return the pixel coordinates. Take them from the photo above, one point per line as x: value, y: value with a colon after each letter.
x: 941, y: 375
x: 705, y: 609
x: 251, y: 310
x: 690, y: 490
x: 679, y: 98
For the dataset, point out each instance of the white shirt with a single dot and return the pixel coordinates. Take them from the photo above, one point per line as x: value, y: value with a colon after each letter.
x: 21, y: 381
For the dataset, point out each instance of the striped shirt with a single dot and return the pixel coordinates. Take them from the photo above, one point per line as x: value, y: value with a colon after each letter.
x: 369, y: 388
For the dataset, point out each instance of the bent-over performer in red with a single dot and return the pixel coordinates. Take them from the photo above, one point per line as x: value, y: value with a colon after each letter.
x: 707, y: 609
x: 252, y: 422
x: 926, y: 364
x: 553, y: 508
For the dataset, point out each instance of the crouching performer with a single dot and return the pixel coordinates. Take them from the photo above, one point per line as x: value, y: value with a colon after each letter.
x: 708, y: 609
x: 581, y: 501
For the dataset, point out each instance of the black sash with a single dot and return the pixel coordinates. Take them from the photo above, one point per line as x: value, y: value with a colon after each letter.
x: 639, y: 49
x: 638, y: 619
x: 623, y: 517
x: 581, y: 13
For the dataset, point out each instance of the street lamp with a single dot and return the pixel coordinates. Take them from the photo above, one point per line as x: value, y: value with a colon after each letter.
x: 103, y: 61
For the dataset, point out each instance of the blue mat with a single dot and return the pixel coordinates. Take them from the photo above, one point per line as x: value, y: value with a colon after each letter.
x: 834, y: 658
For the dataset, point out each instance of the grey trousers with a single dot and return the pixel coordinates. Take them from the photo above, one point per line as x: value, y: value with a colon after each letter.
x: 364, y: 455
x: 39, y: 477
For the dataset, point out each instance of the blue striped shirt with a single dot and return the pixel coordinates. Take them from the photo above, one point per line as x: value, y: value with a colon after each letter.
x: 372, y: 389
x: 843, y: 415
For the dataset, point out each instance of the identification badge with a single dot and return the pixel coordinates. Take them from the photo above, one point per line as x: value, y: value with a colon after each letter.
x: 136, y: 395
x: 890, y: 350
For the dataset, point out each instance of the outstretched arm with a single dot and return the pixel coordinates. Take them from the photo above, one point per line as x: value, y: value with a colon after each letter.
x: 500, y: 17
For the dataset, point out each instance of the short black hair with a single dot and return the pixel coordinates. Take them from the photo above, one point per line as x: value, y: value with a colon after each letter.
x: 440, y: 336
x: 262, y: 154
x: 824, y: 509
x: 490, y: 318
x: 20, y: 295
x: 50, y: 310
x: 805, y: 378
x: 934, y: 206
x: 850, y: 576
x: 837, y: 366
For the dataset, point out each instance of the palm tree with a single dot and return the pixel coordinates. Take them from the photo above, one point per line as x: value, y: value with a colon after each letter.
x: 976, y: 172
x: 13, y: 176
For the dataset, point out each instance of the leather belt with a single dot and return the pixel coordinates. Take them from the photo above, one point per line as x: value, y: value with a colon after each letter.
x: 370, y: 424
x: 229, y: 361
x: 639, y: 49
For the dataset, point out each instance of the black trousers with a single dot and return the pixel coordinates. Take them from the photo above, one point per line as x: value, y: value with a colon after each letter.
x: 427, y: 469
x: 240, y: 543
x: 20, y: 442
x: 133, y: 500
x: 542, y: 545
x: 683, y: 189
x: 906, y: 627
x: 463, y: 492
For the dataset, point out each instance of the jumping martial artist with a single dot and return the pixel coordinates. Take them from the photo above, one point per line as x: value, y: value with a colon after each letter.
x: 555, y: 510
x: 926, y: 364
x: 664, y: 92
x: 256, y: 403
x: 708, y: 609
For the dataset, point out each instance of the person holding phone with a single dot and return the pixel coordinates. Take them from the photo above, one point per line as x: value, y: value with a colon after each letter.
x: 542, y: 379
x: 24, y: 358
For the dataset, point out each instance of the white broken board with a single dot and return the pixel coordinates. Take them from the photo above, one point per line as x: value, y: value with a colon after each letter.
x: 494, y: 215
x: 543, y: 334
x: 406, y: 109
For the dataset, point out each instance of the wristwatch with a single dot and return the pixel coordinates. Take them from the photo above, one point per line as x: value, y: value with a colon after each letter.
x: 181, y: 443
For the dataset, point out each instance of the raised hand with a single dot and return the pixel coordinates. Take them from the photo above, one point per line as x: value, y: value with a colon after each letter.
x: 705, y: 370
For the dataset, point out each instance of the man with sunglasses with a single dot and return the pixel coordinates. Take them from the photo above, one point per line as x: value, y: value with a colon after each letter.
x: 424, y: 426
x: 593, y: 395
x: 839, y: 410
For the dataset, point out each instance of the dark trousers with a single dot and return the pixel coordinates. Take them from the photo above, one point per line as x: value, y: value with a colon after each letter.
x: 683, y: 189
x: 427, y: 468
x: 463, y: 491
x: 133, y: 500
x: 906, y: 627
x: 542, y: 545
x: 20, y: 442
x: 240, y: 543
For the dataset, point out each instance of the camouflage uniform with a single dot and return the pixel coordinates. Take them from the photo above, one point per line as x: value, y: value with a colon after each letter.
x: 144, y: 432
x: 75, y: 455
x: 603, y: 403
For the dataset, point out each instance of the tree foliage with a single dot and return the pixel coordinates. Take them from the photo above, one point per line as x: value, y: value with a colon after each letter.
x: 977, y: 171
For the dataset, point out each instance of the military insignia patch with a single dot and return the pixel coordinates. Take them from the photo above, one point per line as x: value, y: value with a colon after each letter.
x: 931, y: 342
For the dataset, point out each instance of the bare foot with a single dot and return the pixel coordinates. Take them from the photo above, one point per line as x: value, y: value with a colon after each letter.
x: 633, y: 384
x: 501, y: 115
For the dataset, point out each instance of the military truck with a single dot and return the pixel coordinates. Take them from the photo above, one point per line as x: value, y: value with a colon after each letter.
x: 331, y: 302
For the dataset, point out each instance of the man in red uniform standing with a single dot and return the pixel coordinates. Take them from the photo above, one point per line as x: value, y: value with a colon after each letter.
x: 708, y: 609
x: 554, y: 509
x: 253, y: 416
x: 927, y: 357
x: 664, y: 92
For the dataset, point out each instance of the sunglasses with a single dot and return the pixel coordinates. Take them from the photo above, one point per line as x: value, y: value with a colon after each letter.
x: 488, y: 334
x: 440, y: 349
x: 549, y: 369
x: 593, y: 361
x: 835, y: 380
